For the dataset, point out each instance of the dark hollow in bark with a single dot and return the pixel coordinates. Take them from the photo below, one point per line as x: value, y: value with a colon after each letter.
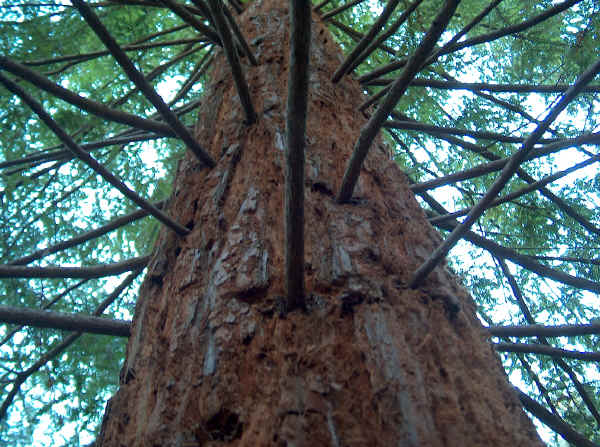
x: 212, y: 360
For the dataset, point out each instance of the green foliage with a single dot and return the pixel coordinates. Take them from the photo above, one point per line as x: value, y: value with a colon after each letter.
x: 52, y: 199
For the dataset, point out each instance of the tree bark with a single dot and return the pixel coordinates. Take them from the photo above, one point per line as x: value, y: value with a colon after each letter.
x: 214, y: 359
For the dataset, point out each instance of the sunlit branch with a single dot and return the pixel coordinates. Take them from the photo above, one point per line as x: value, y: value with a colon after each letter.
x: 64, y: 321
x: 86, y: 104
x: 534, y: 348
x: 482, y: 86
x: 365, y: 41
x: 216, y: 8
x: 507, y: 172
x: 85, y: 237
x: 96, y: 271
x: 525, y: 190
x: 89, y: 160
x: 24, y: 375
x: 47, y: 305
x: 95, y: 54
x: 539, y: 330
x: 524, y: 261
x: 553, y: 422
x: 484, y: 38
x: 297, y: 105
x: 371, y: 129
x: 558, y: 361
x: 138, y: 79
x: 375, y: 43
x: 340, y: 9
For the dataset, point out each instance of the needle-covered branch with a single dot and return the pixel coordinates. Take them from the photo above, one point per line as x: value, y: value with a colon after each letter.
x: 539, y: 330
x: 96, y: 271
x: 85, y: 237
x: 86, y: 104
x: 297, y: 105
x: 507, y: 172
x: 89, y: 160
x: 138, y: 79
x: 216, y: 9
x: 64, y: 321
x: 371, y: 129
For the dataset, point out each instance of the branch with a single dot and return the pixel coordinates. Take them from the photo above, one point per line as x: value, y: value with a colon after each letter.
x: 138, y: 79
x: 80, y: 102
x: 329, y: 14
x: 23, y: 376
x: 85, y: 237
x: 507, y: 172
x: 89, y: 160
x: 96, y: 271
x: 64, y: 321
x: 297, y: 104
x: 216, y: 8
x: 539, y: 330
x: 184, y: 13
x: 534, y: 348
x: 364, y: 42
x: 371, y: 129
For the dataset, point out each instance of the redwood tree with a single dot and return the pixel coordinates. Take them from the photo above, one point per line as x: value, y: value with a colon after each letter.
x: 297, y: 292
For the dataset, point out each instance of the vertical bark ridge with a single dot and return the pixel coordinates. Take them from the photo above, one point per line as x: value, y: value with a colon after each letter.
x: 211, y: 359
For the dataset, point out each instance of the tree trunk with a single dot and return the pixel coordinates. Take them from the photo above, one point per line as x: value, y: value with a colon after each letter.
x: 214, y: 359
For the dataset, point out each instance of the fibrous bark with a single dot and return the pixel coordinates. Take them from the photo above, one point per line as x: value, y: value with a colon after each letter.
x: 214, y: 359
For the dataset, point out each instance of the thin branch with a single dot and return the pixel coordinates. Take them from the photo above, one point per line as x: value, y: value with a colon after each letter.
x: 539, y: 330
x: 371, y: 129
x: 365, y: 41
x: 64, y: 321
x: 184, y: 13
x: 239, y: 36
x: 138, y: 79
x: 535, y: 348
x: 85, y: 237
x: 507, y: 172
x: 329, y: 14
x: 89, y: 160
x: 96, y: 271
x: 216, y: 8
x: 297, y: 104
x: 23, y: 376
x: 88, y: 105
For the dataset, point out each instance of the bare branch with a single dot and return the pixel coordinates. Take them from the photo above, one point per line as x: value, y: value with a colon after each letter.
x: 534, y: 348
x: 371, y: 129
x: 328, y: 15
x: 539, y: 330
x: 64, y: 321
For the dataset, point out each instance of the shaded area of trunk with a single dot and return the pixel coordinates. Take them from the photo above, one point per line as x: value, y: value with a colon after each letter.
x: 215, y: 360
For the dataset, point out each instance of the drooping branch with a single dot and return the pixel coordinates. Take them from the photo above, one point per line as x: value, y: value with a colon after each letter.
x: 535, y: 348
x: 297, y: 104
x: 539, y: 330
x: 216, y: 9
x: 507, y: 172
x: 52, y: 353
x: 553, y: 422
x: 64, y: 321
x: 138, y: 79
x: 85, y: 237
x: 96, y: 271
x: 89, y: 160
x: 371, y: 129
x: 365, y: 41
x: 86, y: 104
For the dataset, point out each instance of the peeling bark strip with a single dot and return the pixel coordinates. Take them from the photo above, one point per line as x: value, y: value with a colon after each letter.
x: 211, y: 360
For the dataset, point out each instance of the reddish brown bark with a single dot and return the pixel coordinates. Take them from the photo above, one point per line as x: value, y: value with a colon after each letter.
x: 214, y: 360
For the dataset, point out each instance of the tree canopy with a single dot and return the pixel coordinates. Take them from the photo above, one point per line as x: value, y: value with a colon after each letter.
x: 491, y: 108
